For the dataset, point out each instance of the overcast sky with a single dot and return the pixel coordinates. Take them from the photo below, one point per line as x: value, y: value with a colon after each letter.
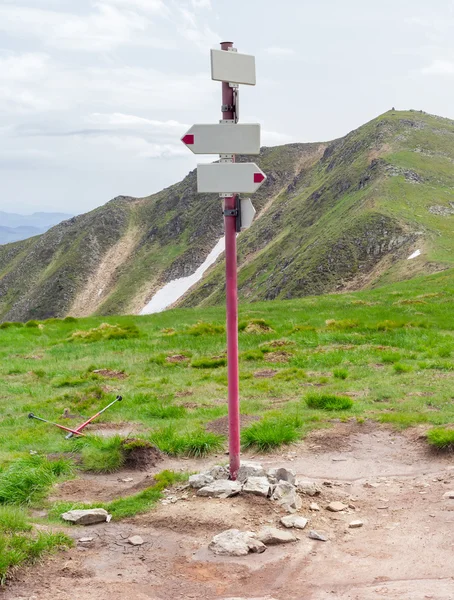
x: 95, y: 94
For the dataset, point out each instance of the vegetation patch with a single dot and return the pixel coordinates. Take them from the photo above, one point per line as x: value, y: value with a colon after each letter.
x: 27, y: 480
x: 340, y: 373
x: 272, y: 432
x: 105, y: 332
x: 255, y: 326
x: 19, y: 544
x: 328, y: 401
x: 205, y: 362
x: 441, y: 438
x: 202, y: 328
x: 195, y: 443
x: 342, y: 324
x: 280, y: 356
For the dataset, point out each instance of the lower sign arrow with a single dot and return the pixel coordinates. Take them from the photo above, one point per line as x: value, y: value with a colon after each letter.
x: 229, y: 178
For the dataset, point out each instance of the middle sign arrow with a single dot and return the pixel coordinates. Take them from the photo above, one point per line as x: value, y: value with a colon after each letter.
x: 226, y: 177
x: 223, y: 138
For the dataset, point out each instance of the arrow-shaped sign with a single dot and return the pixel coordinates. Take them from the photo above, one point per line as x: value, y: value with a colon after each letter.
x: 226, y: 177
x: 223, y: 138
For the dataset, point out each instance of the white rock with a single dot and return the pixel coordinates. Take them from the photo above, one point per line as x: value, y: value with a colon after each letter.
x: 86, y: 540
x: 281, y: 474
x: 285, y: 495
x: 309, y: 488
x: 219, y: 472
x: 236, y: 543
x: 221, y: 489
x: 259, y: 486
x: 250, y: 469
x: 315, y: 535
x: 355, y: 524
x: 135, y: 540
x: 294, y: 521
x: 200, y: 480
x: 271, y: 535
x: 336, y: 506
x: 314, y: 506
x: 449, y: 495
x: 86, y: 517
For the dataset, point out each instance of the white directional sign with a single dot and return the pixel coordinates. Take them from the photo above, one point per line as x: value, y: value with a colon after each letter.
x: 226, y: 177
x: 233, y: 67
x: 247, y: 212
x: 223, y: 138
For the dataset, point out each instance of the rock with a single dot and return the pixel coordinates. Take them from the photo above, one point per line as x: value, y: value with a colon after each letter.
x: 309, y: 488
x: 135, y: 540
x: 355, y: 524
x: 285, y: 495
x: 250, y: 469
x: 281, y: 474
x: 221, y: 489
x: 219, y: 472
x: 86, y: 517
x: 236, y: 543
x: 259, y: 486
x: 336, y: 506
x: 271, y: 535
x: 449, y: 495
x: 86, y: 540
x: 315, y: 535
x: 294, y: 521
x: 200, y: 480
x: 314, y: 506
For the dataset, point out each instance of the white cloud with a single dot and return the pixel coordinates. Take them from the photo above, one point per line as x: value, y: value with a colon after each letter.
x: 278, y: 51
x: 274, y: 138
x: 122, y: 119
x: 201, y: 3
x: 149, y: 6
x: 439, y: 67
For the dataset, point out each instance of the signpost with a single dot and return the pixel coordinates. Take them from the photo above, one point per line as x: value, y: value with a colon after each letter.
x: 228, y: 179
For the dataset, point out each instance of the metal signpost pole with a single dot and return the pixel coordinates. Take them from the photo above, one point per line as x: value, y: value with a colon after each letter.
x: 228, y: 114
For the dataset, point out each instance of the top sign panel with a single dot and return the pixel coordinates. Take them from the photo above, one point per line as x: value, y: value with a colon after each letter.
x: 232, y: 67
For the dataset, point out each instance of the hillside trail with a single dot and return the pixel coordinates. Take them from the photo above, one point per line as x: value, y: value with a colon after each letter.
x: 392, y: 482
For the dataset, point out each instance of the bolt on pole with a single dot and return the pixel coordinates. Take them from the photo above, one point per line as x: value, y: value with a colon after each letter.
x: 231, y: 300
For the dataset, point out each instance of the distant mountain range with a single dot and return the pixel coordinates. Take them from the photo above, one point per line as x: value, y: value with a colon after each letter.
x: 362, y: 211
x: 15, y: 227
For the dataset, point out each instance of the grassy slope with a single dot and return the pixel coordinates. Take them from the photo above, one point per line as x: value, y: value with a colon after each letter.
x: 409, y: 324
x: 369, y: 195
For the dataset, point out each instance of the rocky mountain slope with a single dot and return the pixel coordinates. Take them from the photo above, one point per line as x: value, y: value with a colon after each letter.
x: 331, y: 216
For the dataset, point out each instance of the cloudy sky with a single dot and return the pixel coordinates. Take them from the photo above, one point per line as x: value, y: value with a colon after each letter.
x: 95, y: 94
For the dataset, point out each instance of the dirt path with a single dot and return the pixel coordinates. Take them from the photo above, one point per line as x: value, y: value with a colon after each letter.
x: 404, y: 550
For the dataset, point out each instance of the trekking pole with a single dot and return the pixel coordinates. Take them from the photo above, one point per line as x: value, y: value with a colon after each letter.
x: 72, y: 431
x: 79, y: 429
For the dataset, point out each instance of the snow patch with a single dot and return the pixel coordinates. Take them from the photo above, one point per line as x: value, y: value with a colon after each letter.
x: 414, y: 255
x: 173, y: 290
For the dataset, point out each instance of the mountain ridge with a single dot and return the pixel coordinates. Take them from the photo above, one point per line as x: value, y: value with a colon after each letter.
x: 331, y: 216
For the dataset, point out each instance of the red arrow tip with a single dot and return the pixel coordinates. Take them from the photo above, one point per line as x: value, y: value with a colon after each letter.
x: 258, y: 177
x: 188, y: 139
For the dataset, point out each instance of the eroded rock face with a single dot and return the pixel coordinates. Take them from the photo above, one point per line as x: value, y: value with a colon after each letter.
x: 221, y: 488
x: 259, y: 486
x: 86, y: 517
x: 234, y: 542
x: 271, y: 535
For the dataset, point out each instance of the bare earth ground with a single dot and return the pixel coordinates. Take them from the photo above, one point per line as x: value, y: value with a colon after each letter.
x: 405, y: 550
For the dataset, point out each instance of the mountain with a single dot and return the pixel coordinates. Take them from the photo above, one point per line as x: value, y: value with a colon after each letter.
x: 14, y: 227
x: 332, y: 216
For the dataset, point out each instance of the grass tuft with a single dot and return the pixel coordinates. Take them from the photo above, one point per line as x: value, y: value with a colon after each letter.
x: 209, y: 363
x: 202, y: 328
x: 102, y: 455
x: 340, y: 373
x: 196, y: 443
x: 441, y: 438
x: 272, y: 432
x: 328, y: 401
x: 105, y: 332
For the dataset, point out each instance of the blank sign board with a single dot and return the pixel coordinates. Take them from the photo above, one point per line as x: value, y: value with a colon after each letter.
x: 233, y: 67
x: 223, y: 138
x: 229, y: 178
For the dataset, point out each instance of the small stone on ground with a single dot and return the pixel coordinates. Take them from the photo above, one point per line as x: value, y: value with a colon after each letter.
x: 271, y: 535
x: 315, y: 535
x: 200, y: 480
x: 86, y: 517
x: 449, y: 495
x: 285, y: 495
x: 85, y: 540
x: 314, y: 506
x: 221, y: 488
x: 355, y: 524
x: 233, y: 542
x: 259, y: 486
x: 250, y: 469
x: 135, y: 540
x: 294, y: 521
x: 336, y: 506
x: 309, y: 488
x: 281, y: 474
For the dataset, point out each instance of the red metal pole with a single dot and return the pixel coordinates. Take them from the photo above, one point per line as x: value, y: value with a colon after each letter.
x: 231, y: 304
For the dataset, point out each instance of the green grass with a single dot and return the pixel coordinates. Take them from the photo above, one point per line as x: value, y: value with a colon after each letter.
x: 329, y: 402
x: 19, y: 544
x: 441, y: 438
x: 102, y: 455
x: 195, y: 443
x: 272, y: 432
x: 28, y: 480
